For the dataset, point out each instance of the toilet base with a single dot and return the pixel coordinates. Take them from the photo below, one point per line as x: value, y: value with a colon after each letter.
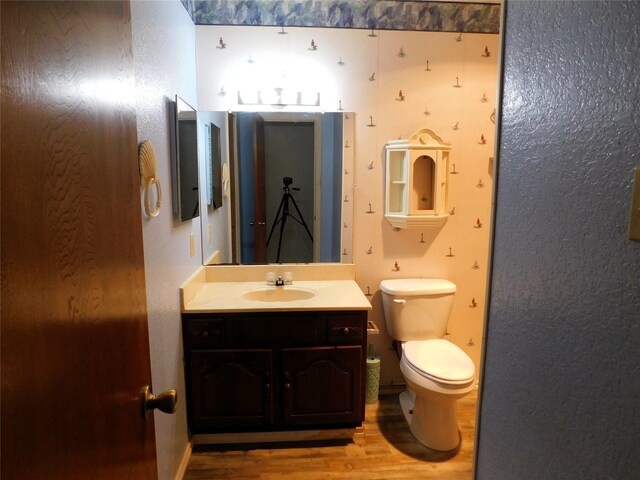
x: 432, y: 421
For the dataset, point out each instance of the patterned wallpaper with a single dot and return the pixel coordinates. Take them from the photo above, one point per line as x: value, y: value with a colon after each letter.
x: 367, y: 14
x: 395, y: 82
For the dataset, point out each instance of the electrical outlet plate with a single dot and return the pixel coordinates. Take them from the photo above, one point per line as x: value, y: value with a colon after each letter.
x: 634, y: 220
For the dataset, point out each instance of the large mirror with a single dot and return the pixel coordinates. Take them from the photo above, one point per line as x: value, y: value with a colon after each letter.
x: 287, y: 187
x: 186, y: 202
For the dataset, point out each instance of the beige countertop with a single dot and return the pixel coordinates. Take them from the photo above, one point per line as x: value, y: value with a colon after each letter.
x: 227, y: 297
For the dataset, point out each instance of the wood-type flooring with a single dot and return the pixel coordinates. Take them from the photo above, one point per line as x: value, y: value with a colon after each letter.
x: 385, y: 451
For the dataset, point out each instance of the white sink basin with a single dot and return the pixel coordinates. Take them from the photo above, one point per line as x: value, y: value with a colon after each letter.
x: 278, y: 294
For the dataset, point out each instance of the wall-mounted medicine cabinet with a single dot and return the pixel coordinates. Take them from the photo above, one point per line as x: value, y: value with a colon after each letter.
x: 416, y: 182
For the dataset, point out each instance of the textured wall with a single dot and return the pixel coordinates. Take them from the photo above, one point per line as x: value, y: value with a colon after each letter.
x: 561, y: 389
x: 164, y: 68
x: 425, y: 66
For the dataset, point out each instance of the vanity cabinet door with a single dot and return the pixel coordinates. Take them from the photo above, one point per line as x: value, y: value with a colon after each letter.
x: 230, y: 388
x: 322, y: 385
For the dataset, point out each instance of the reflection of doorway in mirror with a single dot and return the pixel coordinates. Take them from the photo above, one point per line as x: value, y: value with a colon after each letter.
x: 289, y: 152
x: 308, y: 149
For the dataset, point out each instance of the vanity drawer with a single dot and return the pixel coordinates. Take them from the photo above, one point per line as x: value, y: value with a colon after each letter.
x: 204, y: 332
x: 282, y: 328
x: 345, y: 329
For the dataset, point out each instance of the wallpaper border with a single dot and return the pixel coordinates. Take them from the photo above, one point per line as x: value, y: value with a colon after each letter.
x: 363, y: 14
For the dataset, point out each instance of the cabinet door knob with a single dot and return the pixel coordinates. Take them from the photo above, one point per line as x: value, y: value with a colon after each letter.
x: 205, y: 334
x: 346, y: 330
x: 267, y: 386
x: 287, y: 386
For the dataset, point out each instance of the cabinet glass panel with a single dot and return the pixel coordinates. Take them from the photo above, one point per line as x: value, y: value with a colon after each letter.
x: 422, y: 191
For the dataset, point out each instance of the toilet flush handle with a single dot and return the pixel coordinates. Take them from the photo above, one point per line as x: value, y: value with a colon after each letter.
x: 399, y: 300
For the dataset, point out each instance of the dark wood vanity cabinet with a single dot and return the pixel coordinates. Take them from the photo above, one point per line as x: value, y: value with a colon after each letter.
x: 274, y: 370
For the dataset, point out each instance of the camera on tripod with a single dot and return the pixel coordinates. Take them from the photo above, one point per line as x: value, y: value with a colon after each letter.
x: 284, y: 210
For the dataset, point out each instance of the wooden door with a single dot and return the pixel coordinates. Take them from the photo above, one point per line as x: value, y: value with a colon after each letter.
x: 229, y: 388
x: 260, y: 195
x: 322, y: 385
x: 74, y: 342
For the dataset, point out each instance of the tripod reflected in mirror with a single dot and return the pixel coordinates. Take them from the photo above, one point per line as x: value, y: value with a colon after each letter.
x: 283, y: 215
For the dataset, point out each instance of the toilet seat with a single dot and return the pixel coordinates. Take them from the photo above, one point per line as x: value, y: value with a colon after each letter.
x: 439, y: 360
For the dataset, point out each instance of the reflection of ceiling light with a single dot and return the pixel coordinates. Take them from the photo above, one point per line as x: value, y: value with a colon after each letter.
x: 278, y: 96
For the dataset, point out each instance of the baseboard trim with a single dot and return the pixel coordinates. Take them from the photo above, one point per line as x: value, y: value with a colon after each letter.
x: 270, y: 437
x: 391, y: 389
x: 186, y: 456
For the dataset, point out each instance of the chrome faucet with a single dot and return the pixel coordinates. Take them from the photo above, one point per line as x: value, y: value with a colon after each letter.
x: 279, y: 280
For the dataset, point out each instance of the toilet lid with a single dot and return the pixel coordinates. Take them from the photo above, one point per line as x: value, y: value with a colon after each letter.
x: 440, y: 359
x: 417, y: 286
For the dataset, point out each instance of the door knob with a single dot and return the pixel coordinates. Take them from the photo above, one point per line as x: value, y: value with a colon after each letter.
x: 165, y: 402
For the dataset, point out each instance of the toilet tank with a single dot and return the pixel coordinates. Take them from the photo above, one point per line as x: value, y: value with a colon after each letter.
x: 417, y: 308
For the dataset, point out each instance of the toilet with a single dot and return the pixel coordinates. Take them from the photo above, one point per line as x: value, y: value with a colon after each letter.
x: 436, y: 371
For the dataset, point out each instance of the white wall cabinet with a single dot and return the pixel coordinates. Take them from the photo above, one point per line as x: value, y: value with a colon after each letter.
x: 417, y: 179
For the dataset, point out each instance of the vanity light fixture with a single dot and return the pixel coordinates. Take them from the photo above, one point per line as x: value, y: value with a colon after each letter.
x: 279, y: 97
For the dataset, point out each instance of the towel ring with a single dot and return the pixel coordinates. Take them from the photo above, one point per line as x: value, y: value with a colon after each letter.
x: 147, y: 197
x: 149, y: 176
x: 225, y: 179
